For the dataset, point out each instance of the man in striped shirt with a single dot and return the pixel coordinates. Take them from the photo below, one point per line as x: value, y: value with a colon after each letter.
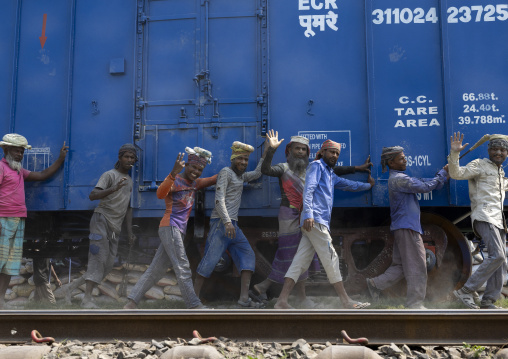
x: 224, y: 233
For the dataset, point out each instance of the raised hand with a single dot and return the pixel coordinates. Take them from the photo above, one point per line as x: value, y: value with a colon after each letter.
x: 273, y: 139
x: 179, y: 164
x: 123, y: 182
x: 456, y: 142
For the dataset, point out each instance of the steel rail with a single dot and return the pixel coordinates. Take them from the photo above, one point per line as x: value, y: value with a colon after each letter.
x: 418, y: 327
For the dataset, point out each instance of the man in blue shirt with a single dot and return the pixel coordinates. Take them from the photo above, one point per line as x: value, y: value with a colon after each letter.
x: 408, y: 260
x: 320, y: 181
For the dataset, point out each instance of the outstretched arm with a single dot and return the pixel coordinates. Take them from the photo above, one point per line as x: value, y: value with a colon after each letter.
x: 51, y: 170
x: 254, y: 175
x: 272, y: 144
x: 408, y: 184
x: 344, y: 170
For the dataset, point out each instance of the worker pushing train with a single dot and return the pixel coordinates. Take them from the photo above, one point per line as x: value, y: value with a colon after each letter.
x: 408, y: 258
x: 487, y: 186
x: 178, y: 191
x: 320, y: 181
x: 224, y: 233
x: 12, y: 203
x: 291, y: 176
x: 114, y: 190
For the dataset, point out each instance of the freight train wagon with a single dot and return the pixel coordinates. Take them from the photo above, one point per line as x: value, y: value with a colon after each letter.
x: 165, y: 74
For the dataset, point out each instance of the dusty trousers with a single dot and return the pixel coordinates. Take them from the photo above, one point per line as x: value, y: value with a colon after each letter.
x: 493, y: 267
x: 170, y: 254
x: 408, y: 261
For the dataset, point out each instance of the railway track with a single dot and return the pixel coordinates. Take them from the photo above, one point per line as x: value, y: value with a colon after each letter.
x: 417, y: 327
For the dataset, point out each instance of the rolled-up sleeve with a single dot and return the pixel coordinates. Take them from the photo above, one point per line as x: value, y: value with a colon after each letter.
x: 311, y: 181
x: 471, y: 170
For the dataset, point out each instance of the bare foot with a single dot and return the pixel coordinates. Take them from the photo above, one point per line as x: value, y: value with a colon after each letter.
x: 282, y: 305
x: 130, y: 305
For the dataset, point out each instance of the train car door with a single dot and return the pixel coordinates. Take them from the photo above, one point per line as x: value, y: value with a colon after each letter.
x: 318, y: 81
x: 406, y: 90
x: 7, y: 63
x: 39, y: 107
x: 476, y: 87
x: 198, y: 83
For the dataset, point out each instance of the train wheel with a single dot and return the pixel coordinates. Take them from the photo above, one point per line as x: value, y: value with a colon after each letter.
x: 456, y: 265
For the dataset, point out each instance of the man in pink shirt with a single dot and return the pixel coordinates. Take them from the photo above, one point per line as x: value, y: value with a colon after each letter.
x: 12, y: 204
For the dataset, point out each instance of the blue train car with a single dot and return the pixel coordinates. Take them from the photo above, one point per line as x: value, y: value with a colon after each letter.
x: 165, y: 74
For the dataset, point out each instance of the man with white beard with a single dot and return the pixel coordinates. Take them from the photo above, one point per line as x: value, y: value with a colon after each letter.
x: 291, y: 176
x: 12, y: 204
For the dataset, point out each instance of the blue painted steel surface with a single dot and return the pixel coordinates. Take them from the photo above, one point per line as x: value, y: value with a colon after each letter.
x: 168, y: 74
x: 475, y: 51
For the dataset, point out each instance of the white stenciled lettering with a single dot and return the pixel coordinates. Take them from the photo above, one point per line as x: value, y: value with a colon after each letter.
x: 331, y: 20
x: 317, y: 21
x: 306, y: 22
x: 330, y: 4
x: 414, y: 123
x: 477, y: 13
x: 303, y: 5
x: 315, y: 136
x: 409, y: 111
x: 404, y: 16
x: 411, y: 108
x: 317, y: 6
x: 418, y: 161
x: 424, y: 196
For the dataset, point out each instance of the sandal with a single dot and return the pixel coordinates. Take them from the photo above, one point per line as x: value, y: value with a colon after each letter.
x: 260, y: 298
x: 249, y: 304
x: 357, y: 305
x: 466, y: 298
x: 488, y: 304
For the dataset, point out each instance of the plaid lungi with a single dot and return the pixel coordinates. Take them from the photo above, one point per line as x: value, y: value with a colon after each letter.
x: 11, y: 244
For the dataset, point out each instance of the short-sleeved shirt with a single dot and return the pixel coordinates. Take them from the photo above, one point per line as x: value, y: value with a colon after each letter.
x: 12, y: 191
x: 115, y: 205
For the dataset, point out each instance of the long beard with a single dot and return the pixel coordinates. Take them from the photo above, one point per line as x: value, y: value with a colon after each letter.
x: 297, y: 165
x: 13, y: 164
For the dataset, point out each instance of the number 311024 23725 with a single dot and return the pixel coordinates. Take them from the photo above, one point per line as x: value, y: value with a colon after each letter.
x: 475, y: 13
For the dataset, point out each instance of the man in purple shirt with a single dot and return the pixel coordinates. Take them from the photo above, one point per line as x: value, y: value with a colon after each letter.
x: 320, y: 182
x: 408, y: 260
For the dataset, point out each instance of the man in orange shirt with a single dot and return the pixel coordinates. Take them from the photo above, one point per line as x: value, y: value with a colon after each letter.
x: 178, y: 191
